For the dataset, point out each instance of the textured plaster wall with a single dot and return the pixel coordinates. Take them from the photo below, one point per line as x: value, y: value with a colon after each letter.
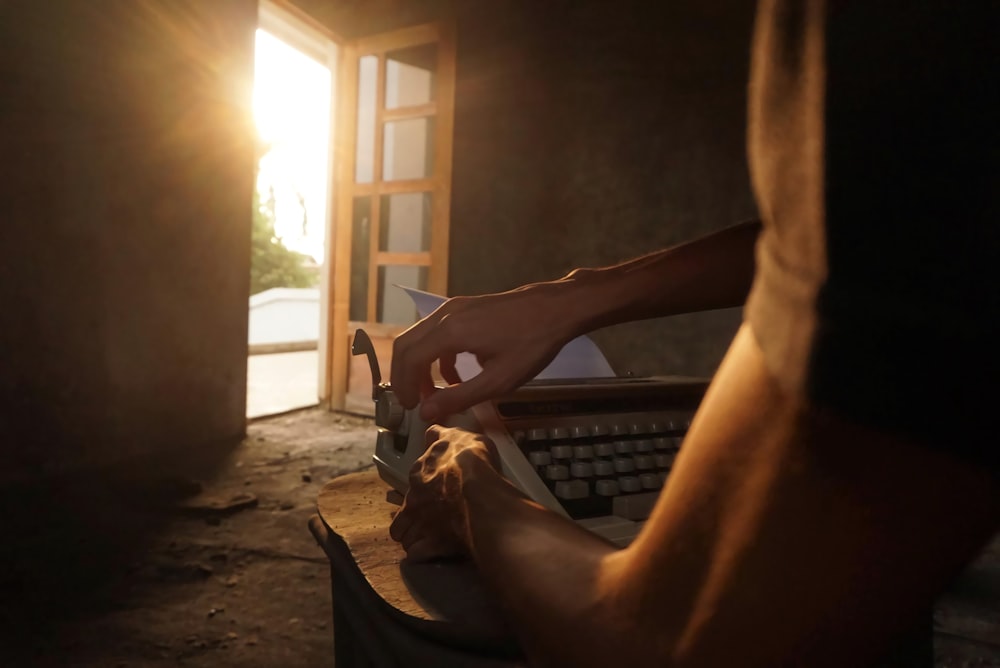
x: 125, y: 189
x: 590, y: 132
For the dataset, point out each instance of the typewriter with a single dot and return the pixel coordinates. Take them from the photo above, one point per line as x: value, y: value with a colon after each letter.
x: 595, y: 450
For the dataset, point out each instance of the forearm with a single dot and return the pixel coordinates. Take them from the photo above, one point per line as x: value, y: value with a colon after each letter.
x: 515, y: 334
x: 714, y: 271
x: 522, y: 551
x: 572, y: 598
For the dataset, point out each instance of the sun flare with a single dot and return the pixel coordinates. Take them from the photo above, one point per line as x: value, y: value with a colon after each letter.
x: 291, y: 104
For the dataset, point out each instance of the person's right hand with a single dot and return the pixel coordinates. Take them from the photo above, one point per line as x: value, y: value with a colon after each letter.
x: 514, y: 335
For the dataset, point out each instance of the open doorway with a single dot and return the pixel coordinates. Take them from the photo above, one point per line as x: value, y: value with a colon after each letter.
x: 293, y: 111
x: 383, y: 104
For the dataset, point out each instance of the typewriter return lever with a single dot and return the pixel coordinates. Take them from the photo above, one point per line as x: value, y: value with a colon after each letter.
x: 389, y: 413
x: 362, y: 345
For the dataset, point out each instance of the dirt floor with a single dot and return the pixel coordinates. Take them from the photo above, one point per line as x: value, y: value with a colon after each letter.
x: 235, y: 578
x: 239, y: 586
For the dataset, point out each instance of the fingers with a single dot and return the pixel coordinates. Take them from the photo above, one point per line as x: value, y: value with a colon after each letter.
x: 481, y: 326
x: 409, y: 536
x: 457, y: 398
x: 401, y: 524
x: 410, y: 373
x: 419, y: 544
x: 448, y: 371
x: 427, y: 387
x: 428, y: 524
x: 414, y: 351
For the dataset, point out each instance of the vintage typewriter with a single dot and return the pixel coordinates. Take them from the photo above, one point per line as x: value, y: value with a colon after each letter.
x: 595, y: 450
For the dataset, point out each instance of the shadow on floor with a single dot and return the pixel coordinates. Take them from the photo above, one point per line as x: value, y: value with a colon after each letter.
x: 216, y: 572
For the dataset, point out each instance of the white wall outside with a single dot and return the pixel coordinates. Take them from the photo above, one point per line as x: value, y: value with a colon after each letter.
x: 284, y: 315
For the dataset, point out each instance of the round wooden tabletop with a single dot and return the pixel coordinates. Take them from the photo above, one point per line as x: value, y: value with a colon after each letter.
x: 445, y: 599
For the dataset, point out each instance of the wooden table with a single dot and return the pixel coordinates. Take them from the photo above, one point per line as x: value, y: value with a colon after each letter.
x: 388, y: 611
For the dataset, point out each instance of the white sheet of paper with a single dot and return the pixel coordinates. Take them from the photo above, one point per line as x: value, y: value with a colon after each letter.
x: 580, y: 358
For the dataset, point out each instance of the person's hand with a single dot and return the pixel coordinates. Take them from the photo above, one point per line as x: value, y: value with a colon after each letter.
x: 431, y: 522
x: 514, y: 335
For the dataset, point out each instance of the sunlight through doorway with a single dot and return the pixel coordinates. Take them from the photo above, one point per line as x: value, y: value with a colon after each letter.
x: 292, y: 109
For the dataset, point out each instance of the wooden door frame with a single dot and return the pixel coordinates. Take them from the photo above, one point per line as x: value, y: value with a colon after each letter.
x: 336, y: 337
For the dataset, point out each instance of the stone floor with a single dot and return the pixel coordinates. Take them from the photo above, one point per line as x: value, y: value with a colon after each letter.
x: 235, y: 578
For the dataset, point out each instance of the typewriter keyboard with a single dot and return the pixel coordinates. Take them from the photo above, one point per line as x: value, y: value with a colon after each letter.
x: 613, y: 468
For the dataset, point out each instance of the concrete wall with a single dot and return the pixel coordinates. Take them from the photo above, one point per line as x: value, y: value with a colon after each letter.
x: 126, y: 169
x: 126, y: 180
x: 590, y: 132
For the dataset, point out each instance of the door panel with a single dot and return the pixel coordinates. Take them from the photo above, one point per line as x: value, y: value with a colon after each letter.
x: 393, y: 194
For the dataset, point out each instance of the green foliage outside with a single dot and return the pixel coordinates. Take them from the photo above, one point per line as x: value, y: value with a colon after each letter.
x: 272, y: 265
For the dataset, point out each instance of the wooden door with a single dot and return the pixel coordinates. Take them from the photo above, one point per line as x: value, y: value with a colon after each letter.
x: 393, y: 188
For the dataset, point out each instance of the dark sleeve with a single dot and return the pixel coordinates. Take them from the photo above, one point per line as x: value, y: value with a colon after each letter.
x: 906, y: 333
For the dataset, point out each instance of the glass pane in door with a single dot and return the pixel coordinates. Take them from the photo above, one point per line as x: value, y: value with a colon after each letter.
x: 360, y: 257
x: 364, y: 169
x: 410, y: 76
x: 395, y: 306
x: 405, y: 223
x: 408, y: 149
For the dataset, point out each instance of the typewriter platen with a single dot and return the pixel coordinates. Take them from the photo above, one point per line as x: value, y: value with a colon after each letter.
x: 595, y: 450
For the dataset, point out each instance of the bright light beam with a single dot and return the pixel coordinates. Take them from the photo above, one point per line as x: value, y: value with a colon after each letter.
x: 291, y: 102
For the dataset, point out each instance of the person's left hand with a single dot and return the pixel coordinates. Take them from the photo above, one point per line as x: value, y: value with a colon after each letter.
x: 431, y: 522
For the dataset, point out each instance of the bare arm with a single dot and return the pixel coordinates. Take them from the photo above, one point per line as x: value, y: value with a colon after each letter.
x: 783, y: 537
x: 516, y: 334
x: 712, y: 272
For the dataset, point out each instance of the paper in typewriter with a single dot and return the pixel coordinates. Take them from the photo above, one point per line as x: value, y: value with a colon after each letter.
x: 580, y: 358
